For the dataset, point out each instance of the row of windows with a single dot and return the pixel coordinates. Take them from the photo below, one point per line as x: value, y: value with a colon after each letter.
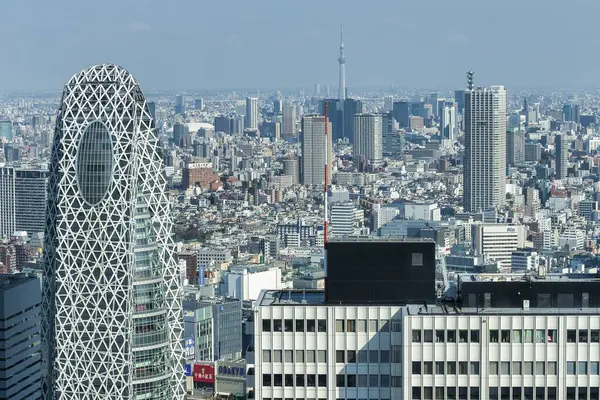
x: 360, y: 325
x: 372, y: 381
x: 445, y: 368
x: 583, y: 336
x: 298, y: 325
x: 583, y: 368
x: 523, y: 336
x: 299, y: 356
x: 441, y: 336
x: 503, y: 393
x: 291, y: 380
x: 342, y: 380
x: 523, y: 368
x: 341, y: 356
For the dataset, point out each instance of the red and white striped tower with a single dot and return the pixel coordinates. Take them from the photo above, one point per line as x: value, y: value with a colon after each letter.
x: 325, y: 193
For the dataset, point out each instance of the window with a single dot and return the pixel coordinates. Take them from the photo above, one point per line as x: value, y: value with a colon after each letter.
x: 504, y: 368
x: 300, y: 380
x: 474, y: 367
x: 493, y: 367
x: 311, y: 380
x: 384, y: 356
x: 299, y: 325
x: 416, y: 336
x: 439, y: 336
x: 494, y: 336
x: 528, y: 368
x: 582, y: 367
x: 351, y: 356
x: 362, y: 380
x: 277, y: 356
x: 463, y: 393
x: 571, y: 393
x: 322, y: 380
x: 463, y: 368
x: 288, y: 325
x: 310, y: 356
x: 528, y: 336
x: 266, y: 356
x: 474, y: 336
x: 340, y: 380
x: 594, y: 393
x: 373, y: 356
x: 310, y: 325
x: 385, y: 326
x: 322, y: 356
x: 595, y: 336
x: 516, y: 368
x: 451, y: 367
x: 552, y: 368
x: 540, y: 368
x: 517, y: 336
x: 427, y: 336
x: 439, y: 393
x: 299, y: 356
x: 374, y: 381
x: 340, y: 356
x: 451, y: 336
x: 552, y: 336
x: 571, y: 368
x: 571, y: 336
x: 396, y: 325
x: 451, y: 393
x: 493, y: 393
x: 416, y: 392
x: 417, y: 259
x: 266, y: 380
x: 474, y: 393
x: 540, y: 393
x: 266, y: 325
x: 350, y: 325
x: 277, y: 380
x: 583, y: 336
x: 277, y: 325
x: 540, y: 336
x: 361, y: 325
x: 373, y: 326
x: 582, y: 393
x: 416, y: 367
x: 339, y: 325
x: 289, y: 356
x: 396, y: 353
x: 439, y: 368
x: 351, y: 381
x: 385, y: 381
x: 288, y: 380
x: 505, y: 336
x: 551, y: 393
x: 463, y: 336
x: 428, y: 393
x: 594, y: 368
x: 322, y: 325
x: 428, y: 368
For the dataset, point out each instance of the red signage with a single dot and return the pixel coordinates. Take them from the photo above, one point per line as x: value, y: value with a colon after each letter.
x: 204, y: 373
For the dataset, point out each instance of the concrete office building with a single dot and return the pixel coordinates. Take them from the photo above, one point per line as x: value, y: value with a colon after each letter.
x: 368, y: 140
x: 561, y: 145
x: 485, y: 148
x: 497, y: 241
x: 180, y: 105
x: 112, y: 313
x: 20, y: 326
x: 500, y: 337
x: 291, y: 167
x: 251, y: 113
x: 342, y: 219
x: 317, y: 148
x: 448, y: 122
x: 515, y: 148
x: 289, y: 122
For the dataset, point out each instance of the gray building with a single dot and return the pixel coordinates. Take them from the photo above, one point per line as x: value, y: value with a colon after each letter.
x: 6, y: 130
x: 515, y: 148
x: 561, y: 145
x: 215, y: 327
x: 20, y: 324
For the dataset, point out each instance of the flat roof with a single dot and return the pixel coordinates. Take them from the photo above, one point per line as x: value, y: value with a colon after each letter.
x: 8, y: 281
x: 528, y: 277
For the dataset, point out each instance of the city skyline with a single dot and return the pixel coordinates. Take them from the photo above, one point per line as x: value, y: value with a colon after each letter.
x: 146, y: 39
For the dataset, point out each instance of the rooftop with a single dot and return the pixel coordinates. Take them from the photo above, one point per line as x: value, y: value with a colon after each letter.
x: 8, y: 281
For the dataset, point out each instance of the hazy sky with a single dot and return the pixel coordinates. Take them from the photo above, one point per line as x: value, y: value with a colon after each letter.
x: 220, y: 44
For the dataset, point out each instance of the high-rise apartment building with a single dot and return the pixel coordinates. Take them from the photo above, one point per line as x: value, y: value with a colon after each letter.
x: 448, y: 119
x: 20, y: 325
x: 515, y: 147
x: 561, y: 144
x: 23, y: 196
x: 112, y: 316
x: 368, y: 139
x: 316, y: 150
x: 180, y: 105
x: 351, y: 107
x: 485, y: 148
x: 252, y: 113
x: 289, y: 122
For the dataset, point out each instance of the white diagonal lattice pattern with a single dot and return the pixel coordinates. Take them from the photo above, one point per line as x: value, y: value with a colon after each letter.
x: 112, y: 311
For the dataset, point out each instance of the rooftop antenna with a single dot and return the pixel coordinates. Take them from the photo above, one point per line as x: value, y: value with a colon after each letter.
x: 470, y: 79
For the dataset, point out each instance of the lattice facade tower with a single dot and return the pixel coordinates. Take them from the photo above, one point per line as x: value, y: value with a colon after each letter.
x: 113, y: 316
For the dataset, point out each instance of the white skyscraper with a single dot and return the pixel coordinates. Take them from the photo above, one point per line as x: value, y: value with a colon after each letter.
x: 448, y: 128
x: 252, y: 113
x: 315, y: 145
x: 485, y: 148
x: 289, y: 121
x: 112, y: 314
x: 368, y: 138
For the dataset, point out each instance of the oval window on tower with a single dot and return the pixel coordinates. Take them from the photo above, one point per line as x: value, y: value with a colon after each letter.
x: 94, y: 162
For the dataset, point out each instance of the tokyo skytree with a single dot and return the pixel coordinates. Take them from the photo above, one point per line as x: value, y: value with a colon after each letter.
x: 112, y: 316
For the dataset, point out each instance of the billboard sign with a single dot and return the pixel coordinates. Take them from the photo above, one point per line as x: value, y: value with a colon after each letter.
x: 234, y: 371
x: 189, y: 348
x: 188, y: 369
x: 204, y: 373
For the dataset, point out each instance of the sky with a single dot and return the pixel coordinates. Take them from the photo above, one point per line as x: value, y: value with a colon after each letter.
x: 281, y: 44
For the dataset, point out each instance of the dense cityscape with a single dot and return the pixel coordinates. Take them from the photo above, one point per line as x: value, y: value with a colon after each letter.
x: 319, y: 243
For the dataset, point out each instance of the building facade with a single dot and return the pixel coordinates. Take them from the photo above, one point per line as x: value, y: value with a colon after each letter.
x: 561, y: 145
x: 368, y: 138
x: 252, y: 113
x: 289, y: 122
x: 317, y: 150
x: 485, y: 148
x: 112, y: 313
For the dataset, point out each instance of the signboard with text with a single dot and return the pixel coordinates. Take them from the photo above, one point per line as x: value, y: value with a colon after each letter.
x: 189, y: 348
x: 204, y: 373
